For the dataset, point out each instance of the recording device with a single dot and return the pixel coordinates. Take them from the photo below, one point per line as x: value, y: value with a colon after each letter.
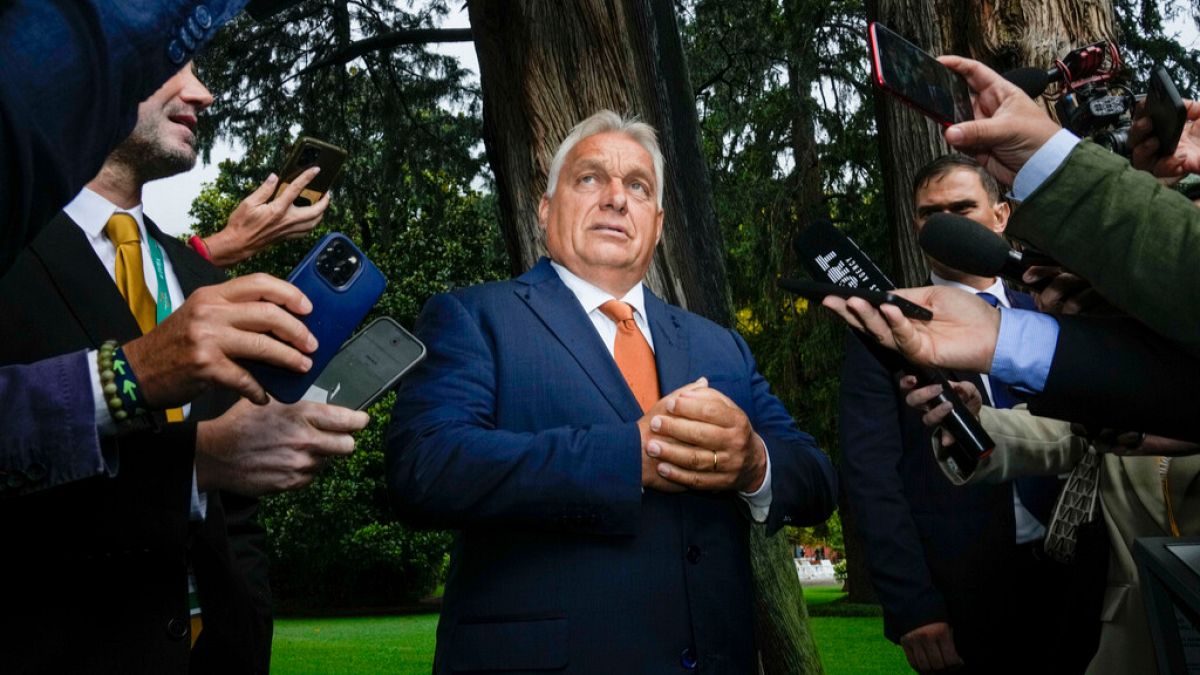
x: 1166, y: 109
x: 905, y: 71
x: 1093, y: 102
x: 343, y: 285
x: 829, y: 254
x: 306, y: 153
x: 367, y: 366
x: 965, y: 245
x: 816, y: 291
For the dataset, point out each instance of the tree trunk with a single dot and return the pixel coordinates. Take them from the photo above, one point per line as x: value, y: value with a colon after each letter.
x: 546, y: 65
x: 1001, y: 33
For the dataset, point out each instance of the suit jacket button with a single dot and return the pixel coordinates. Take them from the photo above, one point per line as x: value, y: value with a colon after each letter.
x: 203, y: 17
x: 693, y: 554
x: 687, y: 659
x: 176, y: 53
x: 177, y: 628
x: 194, y: 28
x: 188, y: 42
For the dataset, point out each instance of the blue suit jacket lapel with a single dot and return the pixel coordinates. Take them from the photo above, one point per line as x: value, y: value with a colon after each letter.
x: 561, y: 313
x: 670, y: 344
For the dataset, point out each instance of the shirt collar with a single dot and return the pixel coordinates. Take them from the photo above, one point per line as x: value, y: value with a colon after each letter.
x: 997, y: 288
x: 592, y: 297
x: 91, y: 212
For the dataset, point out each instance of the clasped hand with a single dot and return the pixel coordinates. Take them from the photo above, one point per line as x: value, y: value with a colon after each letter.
x: 697, y: 438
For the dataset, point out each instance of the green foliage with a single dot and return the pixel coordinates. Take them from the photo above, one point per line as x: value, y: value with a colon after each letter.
x: 788, y: 128
x: 1146, y: 42
x: 415, y: 197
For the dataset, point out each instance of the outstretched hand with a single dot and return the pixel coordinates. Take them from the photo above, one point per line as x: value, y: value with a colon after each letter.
x: 1008, y: 126
x: 961, y: 335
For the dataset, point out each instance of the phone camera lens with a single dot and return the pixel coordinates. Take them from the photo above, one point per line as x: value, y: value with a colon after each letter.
x: 308, y: 156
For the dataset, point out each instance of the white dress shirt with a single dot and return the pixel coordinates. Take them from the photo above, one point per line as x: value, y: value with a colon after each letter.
x: 91, y: 212
x: 590, y: 298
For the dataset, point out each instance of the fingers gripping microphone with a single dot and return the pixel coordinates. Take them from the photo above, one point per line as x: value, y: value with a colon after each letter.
x: 965, y: 245
x: 829, y: 255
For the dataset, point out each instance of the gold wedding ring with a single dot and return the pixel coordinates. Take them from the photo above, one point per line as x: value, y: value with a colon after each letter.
x: 714, y: 462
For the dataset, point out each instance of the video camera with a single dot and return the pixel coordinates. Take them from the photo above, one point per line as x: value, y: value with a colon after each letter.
x: 1093, y: 101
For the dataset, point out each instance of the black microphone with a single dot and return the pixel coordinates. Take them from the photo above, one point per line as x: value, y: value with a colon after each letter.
x: 1032, y: 81
x: 965, y: 245
x: 828, y: 254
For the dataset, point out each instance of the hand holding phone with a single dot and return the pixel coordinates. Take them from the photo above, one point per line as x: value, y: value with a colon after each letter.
x: 367, y: 366
x: 1165, y: 108
x: 914, y: 76
x: 343, y: 285
x: 305, y: 154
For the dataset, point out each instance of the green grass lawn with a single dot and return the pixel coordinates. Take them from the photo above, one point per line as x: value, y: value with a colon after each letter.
x: 403, y: 645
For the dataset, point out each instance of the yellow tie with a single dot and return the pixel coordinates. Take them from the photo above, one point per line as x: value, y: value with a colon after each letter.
x: 633, y: 355
x: 122, y: 230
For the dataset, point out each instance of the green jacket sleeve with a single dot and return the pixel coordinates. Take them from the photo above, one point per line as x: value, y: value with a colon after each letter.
x: 1135, y: 240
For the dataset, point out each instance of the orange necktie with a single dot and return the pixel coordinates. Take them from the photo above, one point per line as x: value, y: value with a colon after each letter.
x: 633, y: 354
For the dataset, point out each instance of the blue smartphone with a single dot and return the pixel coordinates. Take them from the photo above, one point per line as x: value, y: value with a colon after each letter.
x: 343, y: 286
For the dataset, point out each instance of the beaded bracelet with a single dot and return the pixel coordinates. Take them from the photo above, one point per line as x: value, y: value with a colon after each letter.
x: 122, y: 393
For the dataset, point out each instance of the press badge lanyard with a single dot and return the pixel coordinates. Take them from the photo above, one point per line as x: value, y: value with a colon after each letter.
x: 163, y: 309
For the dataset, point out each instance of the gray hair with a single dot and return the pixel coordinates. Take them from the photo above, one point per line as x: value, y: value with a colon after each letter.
x: 607, y: 121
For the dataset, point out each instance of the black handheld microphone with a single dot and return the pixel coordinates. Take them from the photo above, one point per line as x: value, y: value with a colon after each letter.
x: 830, y: 255
x: 1032, y: 81
x: 965, y: 245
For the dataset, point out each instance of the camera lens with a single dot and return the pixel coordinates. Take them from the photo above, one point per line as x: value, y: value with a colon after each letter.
x: 308, y: 156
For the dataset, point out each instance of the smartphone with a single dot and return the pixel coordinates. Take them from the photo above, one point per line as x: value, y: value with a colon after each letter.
x: 305, y: 154
x: 915, y: 77
x: 367, y: 366
x: 343, y: 286
x: 1165, y: 108
x: 817, y: 290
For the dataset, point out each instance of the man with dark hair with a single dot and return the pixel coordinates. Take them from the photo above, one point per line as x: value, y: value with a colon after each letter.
x: 960, y: 571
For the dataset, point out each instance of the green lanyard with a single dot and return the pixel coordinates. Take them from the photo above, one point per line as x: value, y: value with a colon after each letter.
x: 163, y: 310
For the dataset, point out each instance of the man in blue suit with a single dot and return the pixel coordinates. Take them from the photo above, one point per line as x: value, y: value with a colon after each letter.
x: 960, y: 571
x: 603, y: 526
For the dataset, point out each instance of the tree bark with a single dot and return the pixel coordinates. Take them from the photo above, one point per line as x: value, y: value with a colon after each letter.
x: 545, y: 66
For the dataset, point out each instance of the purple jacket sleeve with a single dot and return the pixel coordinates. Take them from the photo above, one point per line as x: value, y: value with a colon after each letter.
x: 47, y: 425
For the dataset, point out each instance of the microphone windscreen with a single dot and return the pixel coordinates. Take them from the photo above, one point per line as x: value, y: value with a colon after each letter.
x: 963, y: 244
x: 1032, y: 81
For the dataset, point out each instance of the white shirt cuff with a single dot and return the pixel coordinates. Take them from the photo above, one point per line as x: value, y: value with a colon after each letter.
x: 105, y: 425
x: 759, y: 501
x: 1044, y: 162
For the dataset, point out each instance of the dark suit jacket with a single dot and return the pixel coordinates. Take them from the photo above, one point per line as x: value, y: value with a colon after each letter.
x: 519, y: 430
x: 933, y: 549
x: 1116, y: 373
x: 100, y: 565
